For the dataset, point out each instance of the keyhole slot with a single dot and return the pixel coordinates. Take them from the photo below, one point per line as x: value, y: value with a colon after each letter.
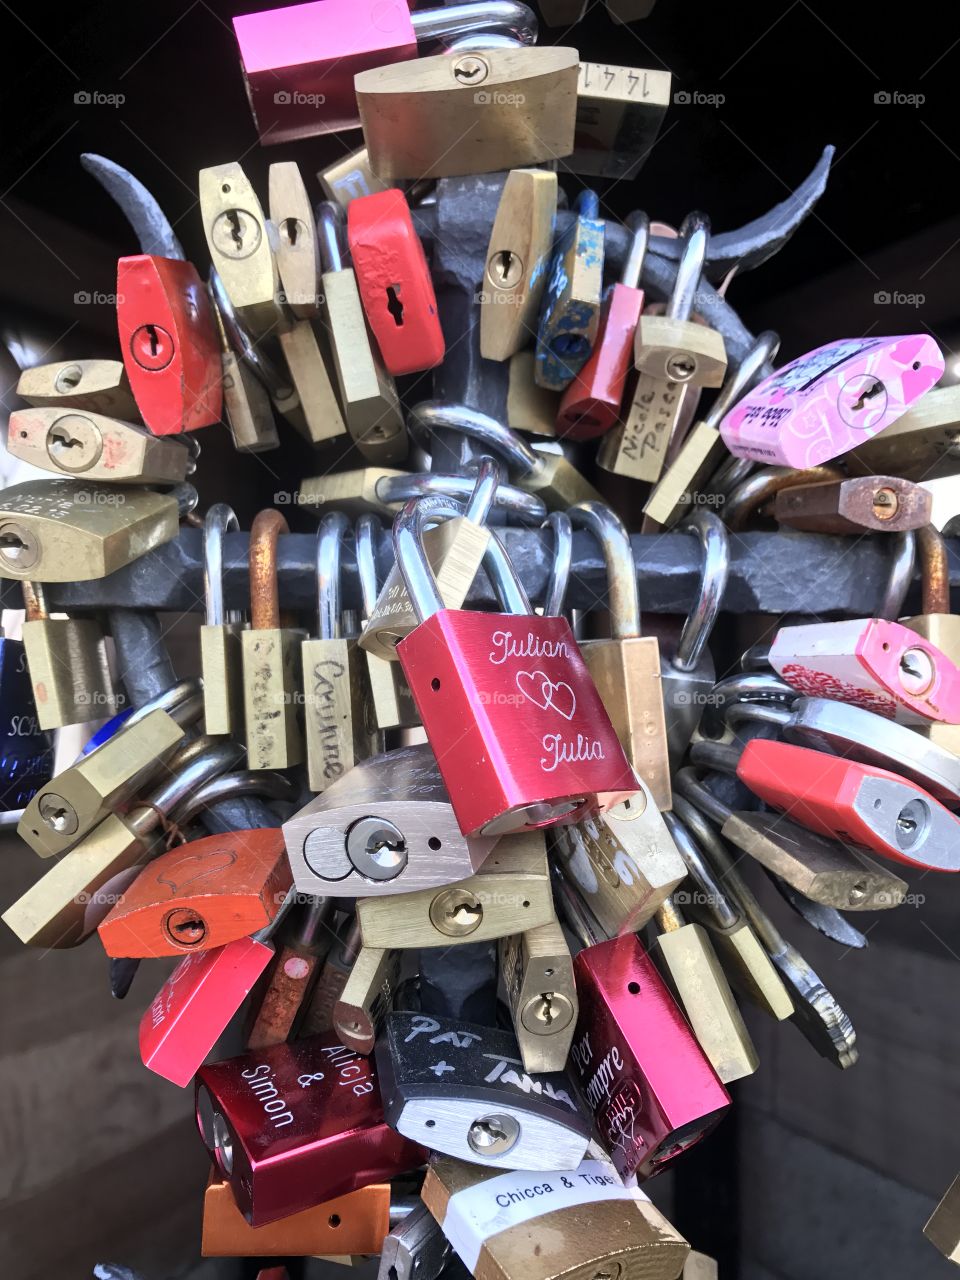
x: 394, y: 305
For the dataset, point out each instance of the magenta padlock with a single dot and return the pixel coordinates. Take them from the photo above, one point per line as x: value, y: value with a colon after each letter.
x: 515, y: 721
x: 832, y: 399
x: 882, y: 666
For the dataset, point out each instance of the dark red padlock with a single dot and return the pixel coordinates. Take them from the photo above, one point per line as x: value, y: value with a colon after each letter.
x: 169, y: 343
x: 394, y: 282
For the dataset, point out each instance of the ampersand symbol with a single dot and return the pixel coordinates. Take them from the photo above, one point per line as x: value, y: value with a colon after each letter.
x: 305, y: 1081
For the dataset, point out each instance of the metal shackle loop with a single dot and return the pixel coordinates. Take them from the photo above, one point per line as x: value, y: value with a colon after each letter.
x: 489, y: 473
x: 506, y: 16
x: 755, y: 491
x: 333, y: 529
x: 264, y: 587
x: 270, y: 374
x: 700, y: 871
x: 711, y: 531
x: 408, y: 530
x: 504, y: 578
x: 903, y: 560
x: 330, y: 235
x: 368, y: 527
x: 934, y: 571
x: 738, y: 713
x: 689, y: 787
x: 186, y: 497
x: 746, y: 375
x: 559, y: 579
x: 639, y: 226
x: 694, y: 237
x: 246, y: 782
x: 214, y: 759
x: 477, y: 41
x: 438, y: 415
x: 611, y: 533
x: 220, y: 519
x: 525, y: 507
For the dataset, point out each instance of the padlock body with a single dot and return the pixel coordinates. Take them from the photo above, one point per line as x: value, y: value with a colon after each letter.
x: 299, y: 62
x: 570, y: 314
x: 26, y: 754
x: 640, y: 1071
x: 68, y: 671
x: 221, y: 661
x: 91, y: 445
x: 882, y: 666
x: 831, y: 399
x: 329, y: 1136
x: 169, y: 343
x: 591, y: 403
x: 271, y: 668
x: 516, y: 723
x: 638, y: 448
x: 337, y: 711
x: 94, y: 386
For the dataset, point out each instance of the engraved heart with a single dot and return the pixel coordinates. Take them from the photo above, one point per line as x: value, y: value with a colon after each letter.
x: 538, y: 688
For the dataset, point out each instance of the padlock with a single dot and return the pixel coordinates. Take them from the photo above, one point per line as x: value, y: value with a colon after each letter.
x: 462, y: 1088
x: 169, y: 343
x: 338, y: 1140
x: 517, y: 258
x: 312, y: 373
x: 221, y: 657
x: 817, y: 1014
x: 936, y: 624
x: 591, y: 403
x: 570, y: 312
x: 393, y: 705
x: 455, y: 548
x: 91, y: 386
x: 394, y: 282
x: 869, y: 662
x: 558, y: 580
x: 368, y: 395
x: 536, y: 972
x: 623, y: 862
x: 270, y: 654
x: 519, y: 746
x: 747, y: 497
x: 832, y: 399
x: 338, y: 717
x: 646, y: 1082
x: 619, y: 114
x: 880, y: 504
x: 74, y: 443
x: 414, y: 1247
x: 67, y: 904
x: 544, y: 469
x: 67, y: 661
x: 942, y: 1228
x: 26, y: 752
x: 105, y: 780
x: 687, y: 671
x: 843, y: 799
x: 530, y: 408
x: 70, y: 531
x: 698, y: 982
x: 702, y: 451
x: 357, y: 1221
x: 200, y: 895
x: 318, y: 1015
x: 299, y: 61
x: 292, y: 973
x: 298, y: 261
x: 246, y: 405
x: 626, y: 667
x: 509, y: 894
x: 469, y: 112
x: 240, y: 248
x: 923, y: 437
x: 350, y: 178
x: 367, y: 997
x: 551, y: 1226
x: 384, y: 827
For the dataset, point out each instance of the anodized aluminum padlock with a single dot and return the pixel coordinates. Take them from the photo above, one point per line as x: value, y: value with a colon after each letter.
x: 833, y: 398
x: 68, y: 666
x: 169, y: 343
x: 384, y: 827
x: 26, y: 751
x: 92, y: 386
x: 461, y: 1089
x: 519, y: 730
x: 643, y: 1077
x: 536, y: 973
x: 570, y: 312
x: 299, y: 61
x: 221, y: 651
x: 298, y: 260
x: 293, y: 1125
x: 591, y: 402
x: 394, y: 282
x: 73, y: 442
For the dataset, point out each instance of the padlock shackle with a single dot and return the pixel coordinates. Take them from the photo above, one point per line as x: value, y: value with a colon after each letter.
x: 438, y: 415
x: 622, y: 594
x: 290, y: 899
x: 214, y: 759
x: 186, y: 498
x: 903, y: 560
x: 477, y: 41
x: 718, y: 756
x: 744, y: 376
x: 246, y: 347
x: 573, y: 910
x: 639, y: 226
x: 507, y: 16
x: 690, y: 788
x: 761, y: 487
x: 333, y: 529
x: 934, y: 570
x: 408, y: 530
x: 183, y: 702
x: 245, y: 782
x: 694, y: 236
x: 525, y: 508
x: 489, y: 473
x: 504, y: 578
x: 312, y: 919
x: 368, y: 527
x: 264, y: 588
x: 709, y: 528
x: 738, y: 713
x: 699, y: 870
x: 220, y: 519
x: 559, y: 579
x: 330, y: 235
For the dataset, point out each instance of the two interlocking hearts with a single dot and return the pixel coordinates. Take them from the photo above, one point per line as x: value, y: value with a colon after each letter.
x: 538, y: 688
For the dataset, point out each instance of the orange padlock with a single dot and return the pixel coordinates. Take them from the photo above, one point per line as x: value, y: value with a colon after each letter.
x: 201, y: 895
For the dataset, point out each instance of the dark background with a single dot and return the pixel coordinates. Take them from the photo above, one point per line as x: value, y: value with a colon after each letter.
x: 818, y: 1175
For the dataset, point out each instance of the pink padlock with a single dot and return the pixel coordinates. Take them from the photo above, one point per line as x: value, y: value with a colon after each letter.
x: 832, y: 399
x: 882, y: 666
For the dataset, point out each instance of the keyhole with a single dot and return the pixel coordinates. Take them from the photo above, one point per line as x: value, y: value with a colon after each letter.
x: 69, y: 379
x: 547, y: 1014
x: 466, y: 916
x: 869, y: 393
x: 912, y: 823
x: 153, y: 340
x: 916, y: 671
x: 493, y: 1135
x: 57, y: 819
x: 506, y: 268
x: 184, y: 927
x: 290, y: 229
x: 62, y: 439
x: 236, y: 228
x: 394, y: 305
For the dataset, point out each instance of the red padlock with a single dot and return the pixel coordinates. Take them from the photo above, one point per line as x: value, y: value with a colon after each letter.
x: 169, y: 342
x: 518, y: 728
x: 394, y: 282
x: 591, y: 403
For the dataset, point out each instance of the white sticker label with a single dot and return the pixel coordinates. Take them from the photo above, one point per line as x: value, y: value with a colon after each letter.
x: 475, y: 1214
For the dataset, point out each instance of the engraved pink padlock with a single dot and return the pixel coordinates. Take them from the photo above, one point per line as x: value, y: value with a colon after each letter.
x: 882, y: 666
x: 832, y: 399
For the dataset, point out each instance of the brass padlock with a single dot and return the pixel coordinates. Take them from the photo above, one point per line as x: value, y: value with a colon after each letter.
x: 943, y: 1226
x: 82, y: 443
x: 530, y: 408
x: 468, y: 112
x: 247, y: 407
x: 537, y: 974
x: 350, y: 178
x: 68, y: 665
x: 517, y: 255
x: 355, y: 492
x: 366, y: 997
x: 619, y: 114
x: 920, y: 439
x: 271, y: 652
x: 368, y: 394
x: 221, y: 650
x: 338, y: 717
x: 94, y: 386
x: 239, y: 245
x: 393, y: 704
x: 319, y: 418
x: 297, y: 255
